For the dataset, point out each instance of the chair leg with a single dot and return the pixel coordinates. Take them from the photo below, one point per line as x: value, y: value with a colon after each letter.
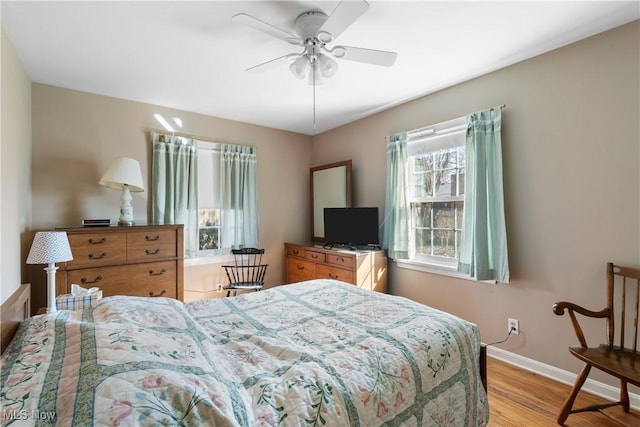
x: 568, y: 404
x: 624, y: 395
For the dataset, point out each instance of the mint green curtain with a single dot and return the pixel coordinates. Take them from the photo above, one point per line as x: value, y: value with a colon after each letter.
x: 174, y: 186
x: 238, y: 196
x: 396, y: 210
x: 483, y: 253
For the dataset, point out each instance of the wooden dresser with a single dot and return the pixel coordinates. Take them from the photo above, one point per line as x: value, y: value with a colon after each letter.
x: 138, y: 260
x: 366, y: 269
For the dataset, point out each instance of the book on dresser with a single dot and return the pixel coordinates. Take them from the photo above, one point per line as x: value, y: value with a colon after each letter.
x: 364, y: 268
x: 145, y: 260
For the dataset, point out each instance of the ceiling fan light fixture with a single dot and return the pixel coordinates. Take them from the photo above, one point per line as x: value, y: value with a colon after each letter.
x: 300, y: 67
x: 325, y: 36
x: 339, y: 52
x: 327, y: 66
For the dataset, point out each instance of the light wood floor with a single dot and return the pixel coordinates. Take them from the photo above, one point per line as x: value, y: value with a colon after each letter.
x: 520, y: 398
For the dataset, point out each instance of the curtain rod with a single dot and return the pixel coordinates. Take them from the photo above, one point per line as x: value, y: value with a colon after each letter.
x: 424, y: 128
x: 186, y: 135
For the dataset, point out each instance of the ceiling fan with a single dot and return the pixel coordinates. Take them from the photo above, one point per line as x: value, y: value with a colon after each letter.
x: 314, y: 30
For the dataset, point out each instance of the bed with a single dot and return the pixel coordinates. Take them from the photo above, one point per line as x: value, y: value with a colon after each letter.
x: 315, y: 353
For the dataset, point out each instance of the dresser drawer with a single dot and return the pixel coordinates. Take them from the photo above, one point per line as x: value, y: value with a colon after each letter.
x: 328, y: 272
x: 295, y: 251
x: 314, y: 256
x: 341, y: 260
x: 154, y: 237
x: 299, y: 270
x: 149, y: 279
x: 96, y: 250
x: 150, y: 252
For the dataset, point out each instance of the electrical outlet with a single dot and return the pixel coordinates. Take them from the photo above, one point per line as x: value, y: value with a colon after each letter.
x: 219, y: 287
x: 513, y: 326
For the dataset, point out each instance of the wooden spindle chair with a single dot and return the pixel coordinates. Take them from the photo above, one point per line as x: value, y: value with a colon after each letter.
x: 619, y: 356
x: 248, y: 272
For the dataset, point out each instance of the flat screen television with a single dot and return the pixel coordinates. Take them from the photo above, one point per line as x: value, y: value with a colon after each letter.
x: 351, y: 226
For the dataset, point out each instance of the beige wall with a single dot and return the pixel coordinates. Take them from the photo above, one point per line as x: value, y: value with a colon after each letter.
x: 572, y: 185
x: 15, y: 170
x: 76, y: 135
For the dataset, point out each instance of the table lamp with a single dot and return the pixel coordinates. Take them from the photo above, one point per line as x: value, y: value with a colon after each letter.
x: 49, y: 247
x: 124, y: 174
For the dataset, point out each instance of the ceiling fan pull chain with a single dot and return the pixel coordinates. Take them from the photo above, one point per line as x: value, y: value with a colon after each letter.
x: 313, y: 70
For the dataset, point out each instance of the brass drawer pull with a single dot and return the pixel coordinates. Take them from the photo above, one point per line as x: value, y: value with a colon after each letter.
x: 151, y: 273
x: 102, y: 255
x: 84, y: 280
x: 300, y: 267
x: 333, y: 276
x: 314, y: 256
x: 97, y: 242
x: 339, y: 258
x: 148, y: 252
x: 151, y: 239
x: 295, y: 251
x: 164, y: 291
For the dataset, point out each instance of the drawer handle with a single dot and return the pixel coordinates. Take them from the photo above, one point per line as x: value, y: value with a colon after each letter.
x: 97, y: 242
x: 333, y: 276
x: 151, y: 239
x: 84, y: 280
x: 164, y: 291
x: 314, y: 256
x: 295, y: 251
x: 102, y: 255
x: 148, y: 252
x: 339, y: 258
x: 151, y: 273
x: 300, y: 267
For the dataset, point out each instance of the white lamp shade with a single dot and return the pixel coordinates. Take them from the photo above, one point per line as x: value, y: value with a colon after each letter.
x: 300, y: 67
x: 49, y: 247
x: 328, y: 67
x: 123, y: 171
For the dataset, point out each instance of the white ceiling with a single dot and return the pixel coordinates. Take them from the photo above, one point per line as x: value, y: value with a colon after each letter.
x: 192, y: 56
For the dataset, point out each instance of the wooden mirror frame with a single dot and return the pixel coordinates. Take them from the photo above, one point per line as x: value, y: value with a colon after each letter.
x: 336, y: 174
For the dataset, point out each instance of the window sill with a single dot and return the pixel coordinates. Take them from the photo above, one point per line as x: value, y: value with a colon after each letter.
x: 437, y: 269
x: 207, y: 260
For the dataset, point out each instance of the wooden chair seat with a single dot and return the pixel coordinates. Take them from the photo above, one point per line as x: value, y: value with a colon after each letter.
x: 247, y: 272
x: 619, y: 356
x: 619, y: 362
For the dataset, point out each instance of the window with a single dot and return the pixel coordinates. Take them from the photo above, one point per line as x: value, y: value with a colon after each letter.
x: 208, y: 199
x: 435, y: 168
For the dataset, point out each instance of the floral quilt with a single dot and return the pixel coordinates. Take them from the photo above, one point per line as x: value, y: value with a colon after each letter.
x: 317, y: 353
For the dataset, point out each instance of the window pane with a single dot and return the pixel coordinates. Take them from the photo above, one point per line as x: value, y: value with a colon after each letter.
x: 208, y: 217
x: 459, y: 206
x: 209, y: 238
x: 444, y: 243
x: 443, y: 215
x: 423, y: 241
x: 421, y: 213
x: 422, y: 176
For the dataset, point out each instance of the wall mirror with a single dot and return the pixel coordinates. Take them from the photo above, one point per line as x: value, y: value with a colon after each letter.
x: 330, y: 188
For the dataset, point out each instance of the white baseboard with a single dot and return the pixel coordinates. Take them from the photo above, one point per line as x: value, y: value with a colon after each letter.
x: 596, y: 387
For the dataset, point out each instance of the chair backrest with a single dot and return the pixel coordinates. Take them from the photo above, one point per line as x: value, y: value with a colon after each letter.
x: 248, y: 266
x: 623, y: 303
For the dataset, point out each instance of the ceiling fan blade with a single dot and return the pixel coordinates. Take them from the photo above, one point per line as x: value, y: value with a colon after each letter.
x: 257, y: 24
x: 271, y: 63
x: 342, y: 16
x: 370, y: 56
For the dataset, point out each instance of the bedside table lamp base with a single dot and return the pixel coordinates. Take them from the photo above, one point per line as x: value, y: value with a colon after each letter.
x: 51, y: 287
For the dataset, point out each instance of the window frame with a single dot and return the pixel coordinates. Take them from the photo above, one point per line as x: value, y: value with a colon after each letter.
x: 432, y: 139
x: 208, y: 253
